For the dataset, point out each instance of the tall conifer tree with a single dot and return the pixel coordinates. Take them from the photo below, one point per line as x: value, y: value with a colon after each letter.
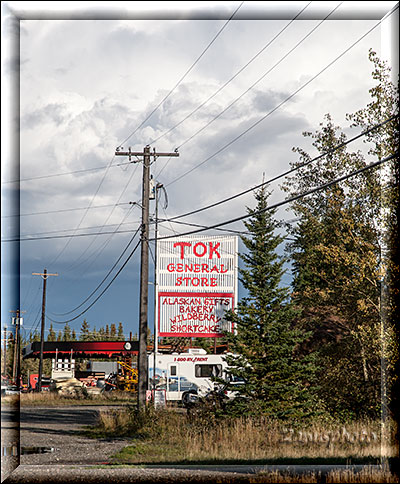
x: 277, y: 381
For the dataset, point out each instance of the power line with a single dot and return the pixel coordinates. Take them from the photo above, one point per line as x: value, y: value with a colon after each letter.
x: 271, y: 207
x: 215, y: 204
x: 47, y: 212
x: 83, y: 228
x: 105, y: 277
x: 86, y: 212
x: 105, y: 222
x: 259, y: 79
x: 95, y: 255
x: 284, y: 202
x: 274, y: 109
x: 101, y: 294
x: 230, y: 80
x: 49, y: 237
x: 183, y: 77
x: 288, y: 172
x: 40, y: 177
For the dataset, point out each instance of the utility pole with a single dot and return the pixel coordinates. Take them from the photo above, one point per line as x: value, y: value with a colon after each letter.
x: 44, y: 275
x: 144, y: 266
x: 5, y: 352
x: 16, y: 360
x: 155, y: 348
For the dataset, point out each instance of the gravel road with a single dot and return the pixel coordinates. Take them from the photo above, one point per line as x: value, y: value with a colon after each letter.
x: 75, y: 458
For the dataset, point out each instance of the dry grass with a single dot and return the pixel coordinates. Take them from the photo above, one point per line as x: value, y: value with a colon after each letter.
x: 53, y: 399
x: 241, y: 439
x: 366, y: 476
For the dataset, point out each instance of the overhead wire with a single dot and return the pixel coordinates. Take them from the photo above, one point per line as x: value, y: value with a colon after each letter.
x: 287, y: 172
x: 86, y: 212
x: 286, y: 201
x: 232, y: 197
x: 183, y: 77
x: 243, y: 217
x: 231, y: 79
x: 102, y: 293
x: 252, y: 126
x: 52, y: 175
x: 74, y: 264
x: 105, y: 277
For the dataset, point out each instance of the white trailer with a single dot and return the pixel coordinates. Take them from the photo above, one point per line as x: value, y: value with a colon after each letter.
x: 183, y: 373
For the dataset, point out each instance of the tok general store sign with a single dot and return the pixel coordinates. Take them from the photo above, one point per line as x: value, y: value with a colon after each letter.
x: 197, y: 283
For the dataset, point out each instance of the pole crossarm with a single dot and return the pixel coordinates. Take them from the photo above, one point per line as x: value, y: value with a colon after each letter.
x: 144, y: 265
x: 130, y: 153
x: 44, y: 275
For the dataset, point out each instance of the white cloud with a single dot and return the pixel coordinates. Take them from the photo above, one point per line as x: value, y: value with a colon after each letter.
x: 86, y: 85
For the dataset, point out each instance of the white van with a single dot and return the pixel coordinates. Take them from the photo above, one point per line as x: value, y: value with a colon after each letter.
x: 181, y: 374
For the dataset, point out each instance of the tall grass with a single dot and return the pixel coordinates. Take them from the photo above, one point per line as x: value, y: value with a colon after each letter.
x: 54, y: 399
x: 243, y: 438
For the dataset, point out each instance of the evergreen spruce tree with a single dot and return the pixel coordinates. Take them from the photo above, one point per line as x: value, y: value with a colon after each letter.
x: 120, y: 335
x: 67, y: 333
x: 85, y: 332
x: 52, y: 334
x: 277, y: 381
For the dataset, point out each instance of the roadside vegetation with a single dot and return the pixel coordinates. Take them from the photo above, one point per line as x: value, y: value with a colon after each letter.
x: 170, y: 436
x: 311, y: 356
x: 53, y: 399
x: 319, y: 359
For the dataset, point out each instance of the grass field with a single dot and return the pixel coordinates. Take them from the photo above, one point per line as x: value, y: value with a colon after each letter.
x: 167, y: 435
x: 170, y: 437
x: 49, y: 399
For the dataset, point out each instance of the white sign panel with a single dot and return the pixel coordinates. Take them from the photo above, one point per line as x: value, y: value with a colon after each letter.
x: 197, y: 283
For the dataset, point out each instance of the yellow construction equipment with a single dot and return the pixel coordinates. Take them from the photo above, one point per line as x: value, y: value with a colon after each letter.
x: 127, y: 378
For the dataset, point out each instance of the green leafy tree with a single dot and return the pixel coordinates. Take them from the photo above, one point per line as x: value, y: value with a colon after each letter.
x: 336, y: 253
x: 265, y: 343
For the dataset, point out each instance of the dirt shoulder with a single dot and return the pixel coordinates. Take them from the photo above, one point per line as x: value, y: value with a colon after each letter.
x: 59, y: 430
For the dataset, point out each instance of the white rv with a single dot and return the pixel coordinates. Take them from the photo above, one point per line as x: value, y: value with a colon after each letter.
x: 181, y: 374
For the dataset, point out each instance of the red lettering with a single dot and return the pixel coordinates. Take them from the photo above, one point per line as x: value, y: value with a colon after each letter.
x: 204, y: 268
x: 182, y: 246
x: 170, y: 267
x: 213, y: 282
x: 204, y: 249
x: 214, y: 249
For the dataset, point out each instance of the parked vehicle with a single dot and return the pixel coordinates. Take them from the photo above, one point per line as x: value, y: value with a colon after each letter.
x: 186, y: 377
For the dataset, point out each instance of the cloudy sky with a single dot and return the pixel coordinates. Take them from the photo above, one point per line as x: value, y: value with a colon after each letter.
x: 232, y: 94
